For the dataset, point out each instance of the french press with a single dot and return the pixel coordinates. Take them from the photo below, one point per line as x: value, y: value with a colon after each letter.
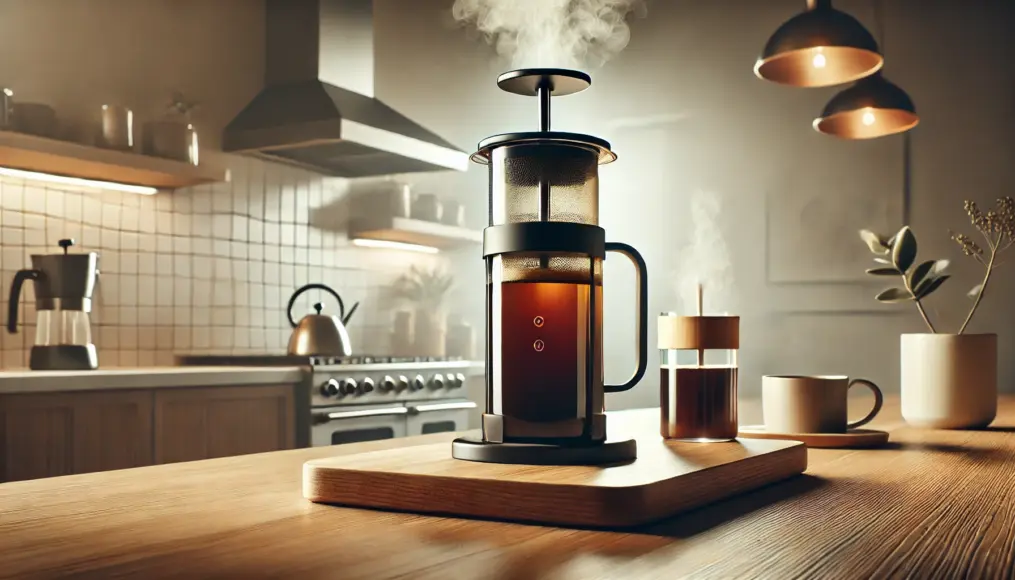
x: 63, y: 298
x: 544, y: 291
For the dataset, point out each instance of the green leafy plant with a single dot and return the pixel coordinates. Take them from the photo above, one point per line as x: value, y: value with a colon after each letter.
x: 424, y: 287
x: 896, y: 256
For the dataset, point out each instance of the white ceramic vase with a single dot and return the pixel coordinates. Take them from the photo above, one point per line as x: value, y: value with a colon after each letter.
x: 949, y: 381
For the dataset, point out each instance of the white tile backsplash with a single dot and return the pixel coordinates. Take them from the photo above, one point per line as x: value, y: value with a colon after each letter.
x: 12, y: 195
x: 55, y: 205
x: 34, y: 200
x: 204, y: 268
x: 146, y: 290
x: 111, y: 217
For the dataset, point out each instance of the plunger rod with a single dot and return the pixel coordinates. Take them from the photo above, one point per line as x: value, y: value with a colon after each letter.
x: 543, y: 91
x: 701, y: 303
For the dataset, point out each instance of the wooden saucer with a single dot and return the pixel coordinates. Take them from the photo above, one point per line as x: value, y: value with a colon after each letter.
x: 851, y: 438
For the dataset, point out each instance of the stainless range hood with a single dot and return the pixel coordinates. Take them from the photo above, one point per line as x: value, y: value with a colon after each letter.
x: 318, y: 110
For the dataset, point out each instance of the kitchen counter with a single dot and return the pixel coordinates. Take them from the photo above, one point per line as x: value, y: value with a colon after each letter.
x: 935, y: 503
x: 28, y: 381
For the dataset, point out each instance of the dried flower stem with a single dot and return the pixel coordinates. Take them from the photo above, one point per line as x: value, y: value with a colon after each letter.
x: 986, y: 278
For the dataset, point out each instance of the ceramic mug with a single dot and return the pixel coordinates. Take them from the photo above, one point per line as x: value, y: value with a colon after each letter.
x: 811, y: 404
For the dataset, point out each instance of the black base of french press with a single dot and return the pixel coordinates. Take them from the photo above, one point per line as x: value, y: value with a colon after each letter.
x: 473, y: 449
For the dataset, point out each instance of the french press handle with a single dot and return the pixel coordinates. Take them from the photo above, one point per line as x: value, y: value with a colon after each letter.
x: 641, y: 344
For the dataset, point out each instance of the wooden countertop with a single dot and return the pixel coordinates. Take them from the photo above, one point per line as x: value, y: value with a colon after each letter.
x: 933, y: 503
x: 29, y: 381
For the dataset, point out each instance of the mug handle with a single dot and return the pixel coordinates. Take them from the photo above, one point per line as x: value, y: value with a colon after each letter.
x: 879, y: 400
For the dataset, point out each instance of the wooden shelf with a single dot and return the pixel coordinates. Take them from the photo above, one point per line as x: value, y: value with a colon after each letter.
x: 410, y: 231
x: 44, y: 155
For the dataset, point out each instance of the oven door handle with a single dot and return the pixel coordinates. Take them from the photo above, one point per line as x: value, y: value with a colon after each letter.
x: 442, y: 407
x: 339, y: 415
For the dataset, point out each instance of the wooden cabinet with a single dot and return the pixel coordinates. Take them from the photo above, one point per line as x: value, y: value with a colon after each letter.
x: 62, y: 433
x: 48, y: 434
x: 207, y: 422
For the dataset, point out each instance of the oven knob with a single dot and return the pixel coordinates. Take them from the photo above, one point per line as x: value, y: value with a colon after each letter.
x: 366, y: 386
x: 387, y: 384
x: 457, y: 382
x: 437, y: 382
x: 402, y: 384
x: 329, y: 388
x: 347, y: 387
x: 417, y: 383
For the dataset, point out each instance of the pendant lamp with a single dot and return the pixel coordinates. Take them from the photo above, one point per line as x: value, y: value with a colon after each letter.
x: 819, y: 48
x: 873, y: 107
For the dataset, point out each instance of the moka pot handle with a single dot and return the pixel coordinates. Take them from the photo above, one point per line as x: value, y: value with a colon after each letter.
x: 641, y: 306
x: 12, y: 301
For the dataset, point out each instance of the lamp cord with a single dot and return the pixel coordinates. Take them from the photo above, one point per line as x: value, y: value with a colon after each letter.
x: 879, y: 22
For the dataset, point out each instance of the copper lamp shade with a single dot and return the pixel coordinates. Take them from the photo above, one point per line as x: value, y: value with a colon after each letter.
x: 819, y: 48
x: 873, y: 107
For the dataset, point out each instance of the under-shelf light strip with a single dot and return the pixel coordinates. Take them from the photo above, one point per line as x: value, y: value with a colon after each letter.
x: 77, y: 181
x: 389, y: 245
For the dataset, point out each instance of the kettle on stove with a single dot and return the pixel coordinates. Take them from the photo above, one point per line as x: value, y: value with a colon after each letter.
x: 320, y: 334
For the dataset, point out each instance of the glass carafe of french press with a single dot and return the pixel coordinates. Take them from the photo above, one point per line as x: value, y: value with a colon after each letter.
x: 63, y: 299
x: 544, y: 251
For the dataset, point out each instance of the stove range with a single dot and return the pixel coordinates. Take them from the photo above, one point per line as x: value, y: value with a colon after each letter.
x: 314, y: 361
x: 369, y: 397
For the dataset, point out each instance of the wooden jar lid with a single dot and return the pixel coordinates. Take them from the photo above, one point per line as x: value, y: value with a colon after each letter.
x: 699, y: 332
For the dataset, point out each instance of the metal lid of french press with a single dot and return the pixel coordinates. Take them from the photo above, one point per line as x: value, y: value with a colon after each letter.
x: 544, y: 83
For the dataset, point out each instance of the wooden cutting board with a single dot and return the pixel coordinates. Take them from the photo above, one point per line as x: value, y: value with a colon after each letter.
x: 667, y: 478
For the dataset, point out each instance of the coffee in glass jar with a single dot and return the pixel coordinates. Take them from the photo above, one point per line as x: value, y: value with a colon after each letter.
x: 698, y: 377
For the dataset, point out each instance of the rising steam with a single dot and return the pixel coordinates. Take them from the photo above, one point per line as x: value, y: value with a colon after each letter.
x: 551, y: 33
x: 705, y: 259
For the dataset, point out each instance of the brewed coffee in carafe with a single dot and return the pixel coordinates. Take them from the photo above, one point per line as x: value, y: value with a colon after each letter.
x: 545, y: 346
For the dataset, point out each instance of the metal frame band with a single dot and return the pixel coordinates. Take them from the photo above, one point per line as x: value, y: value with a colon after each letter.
x: 558, y: 138
x: 545, y: 237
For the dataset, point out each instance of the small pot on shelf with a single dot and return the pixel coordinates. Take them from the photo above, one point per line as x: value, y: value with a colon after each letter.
x: 117, y: 128
x: 453, y: 214
x: 173, y: 136
x: 429, y: 333
x: 172, y: 140
x: 427, y: 207
x: 949, y: 381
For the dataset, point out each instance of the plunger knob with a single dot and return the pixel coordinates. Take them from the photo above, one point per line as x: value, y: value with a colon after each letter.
x: 528, y: 81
